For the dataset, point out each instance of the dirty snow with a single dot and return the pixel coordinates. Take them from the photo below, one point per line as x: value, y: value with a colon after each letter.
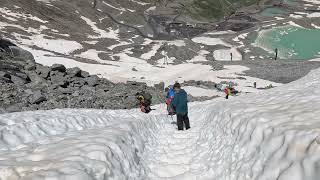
x: 91, y: 54
x: 120, y: 71
x: 112, y: 34
x: 153, y: 51
x: 139, y: 2
x: 209, y: 41
x: 225, y: 54
x: 200, y: 57
x: 317, y: 27
x: 12, y: 15
x: 119, y: 9
x: 56, y: 45
x: 198, y: 91
x: 314, y: 15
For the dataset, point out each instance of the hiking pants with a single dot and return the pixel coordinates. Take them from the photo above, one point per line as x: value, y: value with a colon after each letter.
x: 183, y: 119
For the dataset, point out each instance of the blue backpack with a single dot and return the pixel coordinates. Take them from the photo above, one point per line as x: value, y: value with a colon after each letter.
x: 171, y: 92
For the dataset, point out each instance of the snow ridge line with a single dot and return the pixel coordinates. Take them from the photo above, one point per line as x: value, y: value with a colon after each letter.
x: 97, y: 143
x: 37, y: 125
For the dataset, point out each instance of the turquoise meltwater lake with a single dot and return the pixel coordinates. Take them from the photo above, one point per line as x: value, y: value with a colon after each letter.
x: 292, y: 42
x: 272, y: 12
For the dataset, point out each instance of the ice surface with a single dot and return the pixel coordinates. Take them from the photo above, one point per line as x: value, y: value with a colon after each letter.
x: 271, y: 135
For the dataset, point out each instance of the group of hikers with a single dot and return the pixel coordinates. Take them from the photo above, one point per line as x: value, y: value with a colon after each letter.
x: 177, y: 104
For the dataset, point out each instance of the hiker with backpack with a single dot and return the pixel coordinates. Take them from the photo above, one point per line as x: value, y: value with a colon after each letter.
x: 180, y: 105
x: 230, y: 91
x: 169, y: 97
x: 144, y: 99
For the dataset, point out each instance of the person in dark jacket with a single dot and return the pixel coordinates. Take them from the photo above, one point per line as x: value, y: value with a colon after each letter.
x: 144, y: 99
x: 180, y: 105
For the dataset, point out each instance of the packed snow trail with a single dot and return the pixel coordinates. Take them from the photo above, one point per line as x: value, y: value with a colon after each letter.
x: 170, y: 155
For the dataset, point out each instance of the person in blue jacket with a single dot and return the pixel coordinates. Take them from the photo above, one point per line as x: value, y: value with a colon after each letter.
x: 180, y: 105
x: 169, y: 97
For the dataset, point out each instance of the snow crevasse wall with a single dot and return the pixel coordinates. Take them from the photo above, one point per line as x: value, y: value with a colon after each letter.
x: 73, y: 144
x: 272, y: 135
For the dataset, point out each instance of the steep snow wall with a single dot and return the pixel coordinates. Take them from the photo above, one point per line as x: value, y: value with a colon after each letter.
x: 272, y: 135
x: 74, y: 144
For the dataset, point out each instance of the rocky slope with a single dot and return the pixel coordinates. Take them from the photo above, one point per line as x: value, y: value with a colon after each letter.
x: 26, y: 85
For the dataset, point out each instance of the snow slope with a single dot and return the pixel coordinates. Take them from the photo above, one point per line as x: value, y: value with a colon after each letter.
x: 272, y: 135
x: 73, y: 144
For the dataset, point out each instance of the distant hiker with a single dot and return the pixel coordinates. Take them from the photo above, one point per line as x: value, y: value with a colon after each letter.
x: 165, y: 54
x: 255, y: 84
x: 233, y: 91
x: 231, y: 56
x: 180, y: 105
x: 144, y: 99
x: 269, y: 86
x: 169, y: 97
x: 276, y: 52
x: 227, y: 90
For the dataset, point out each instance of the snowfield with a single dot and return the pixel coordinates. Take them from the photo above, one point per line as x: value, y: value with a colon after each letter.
x: 271, y: 135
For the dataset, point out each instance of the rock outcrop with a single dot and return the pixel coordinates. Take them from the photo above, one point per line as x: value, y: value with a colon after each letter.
x: 26, y: 85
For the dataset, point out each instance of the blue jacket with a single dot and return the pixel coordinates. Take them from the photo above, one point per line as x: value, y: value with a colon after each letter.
x: 170, y: 94
x: 180, y: 102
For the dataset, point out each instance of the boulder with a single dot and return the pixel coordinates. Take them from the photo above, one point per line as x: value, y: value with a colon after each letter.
x: 15, y: 107
x: 5, y: 77
x: 76, y: 94
x: 30, y: 67
x: 58, y: 79
x: 74, y: 72
x: 37, y: 97
x: 35, y: 78
x: 77, y: 82
x: 58, y: 67
x: 43, y: 71
x: 159, y: 86
x: 21, y: 53
x: 92, y: 80
x: 84, y: 74
x: 18, y: 80
x: 67, y: 91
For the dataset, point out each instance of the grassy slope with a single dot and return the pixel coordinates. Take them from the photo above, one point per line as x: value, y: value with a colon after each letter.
x: 215, y: 9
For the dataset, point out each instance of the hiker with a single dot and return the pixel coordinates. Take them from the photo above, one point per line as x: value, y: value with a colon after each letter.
x: 276, y: 52
x: 144, y: 99
x: 180, y: 105
x: 233, y: 91
x: 164, y: 53
x: 227, y: 91
x: 169, y: 97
